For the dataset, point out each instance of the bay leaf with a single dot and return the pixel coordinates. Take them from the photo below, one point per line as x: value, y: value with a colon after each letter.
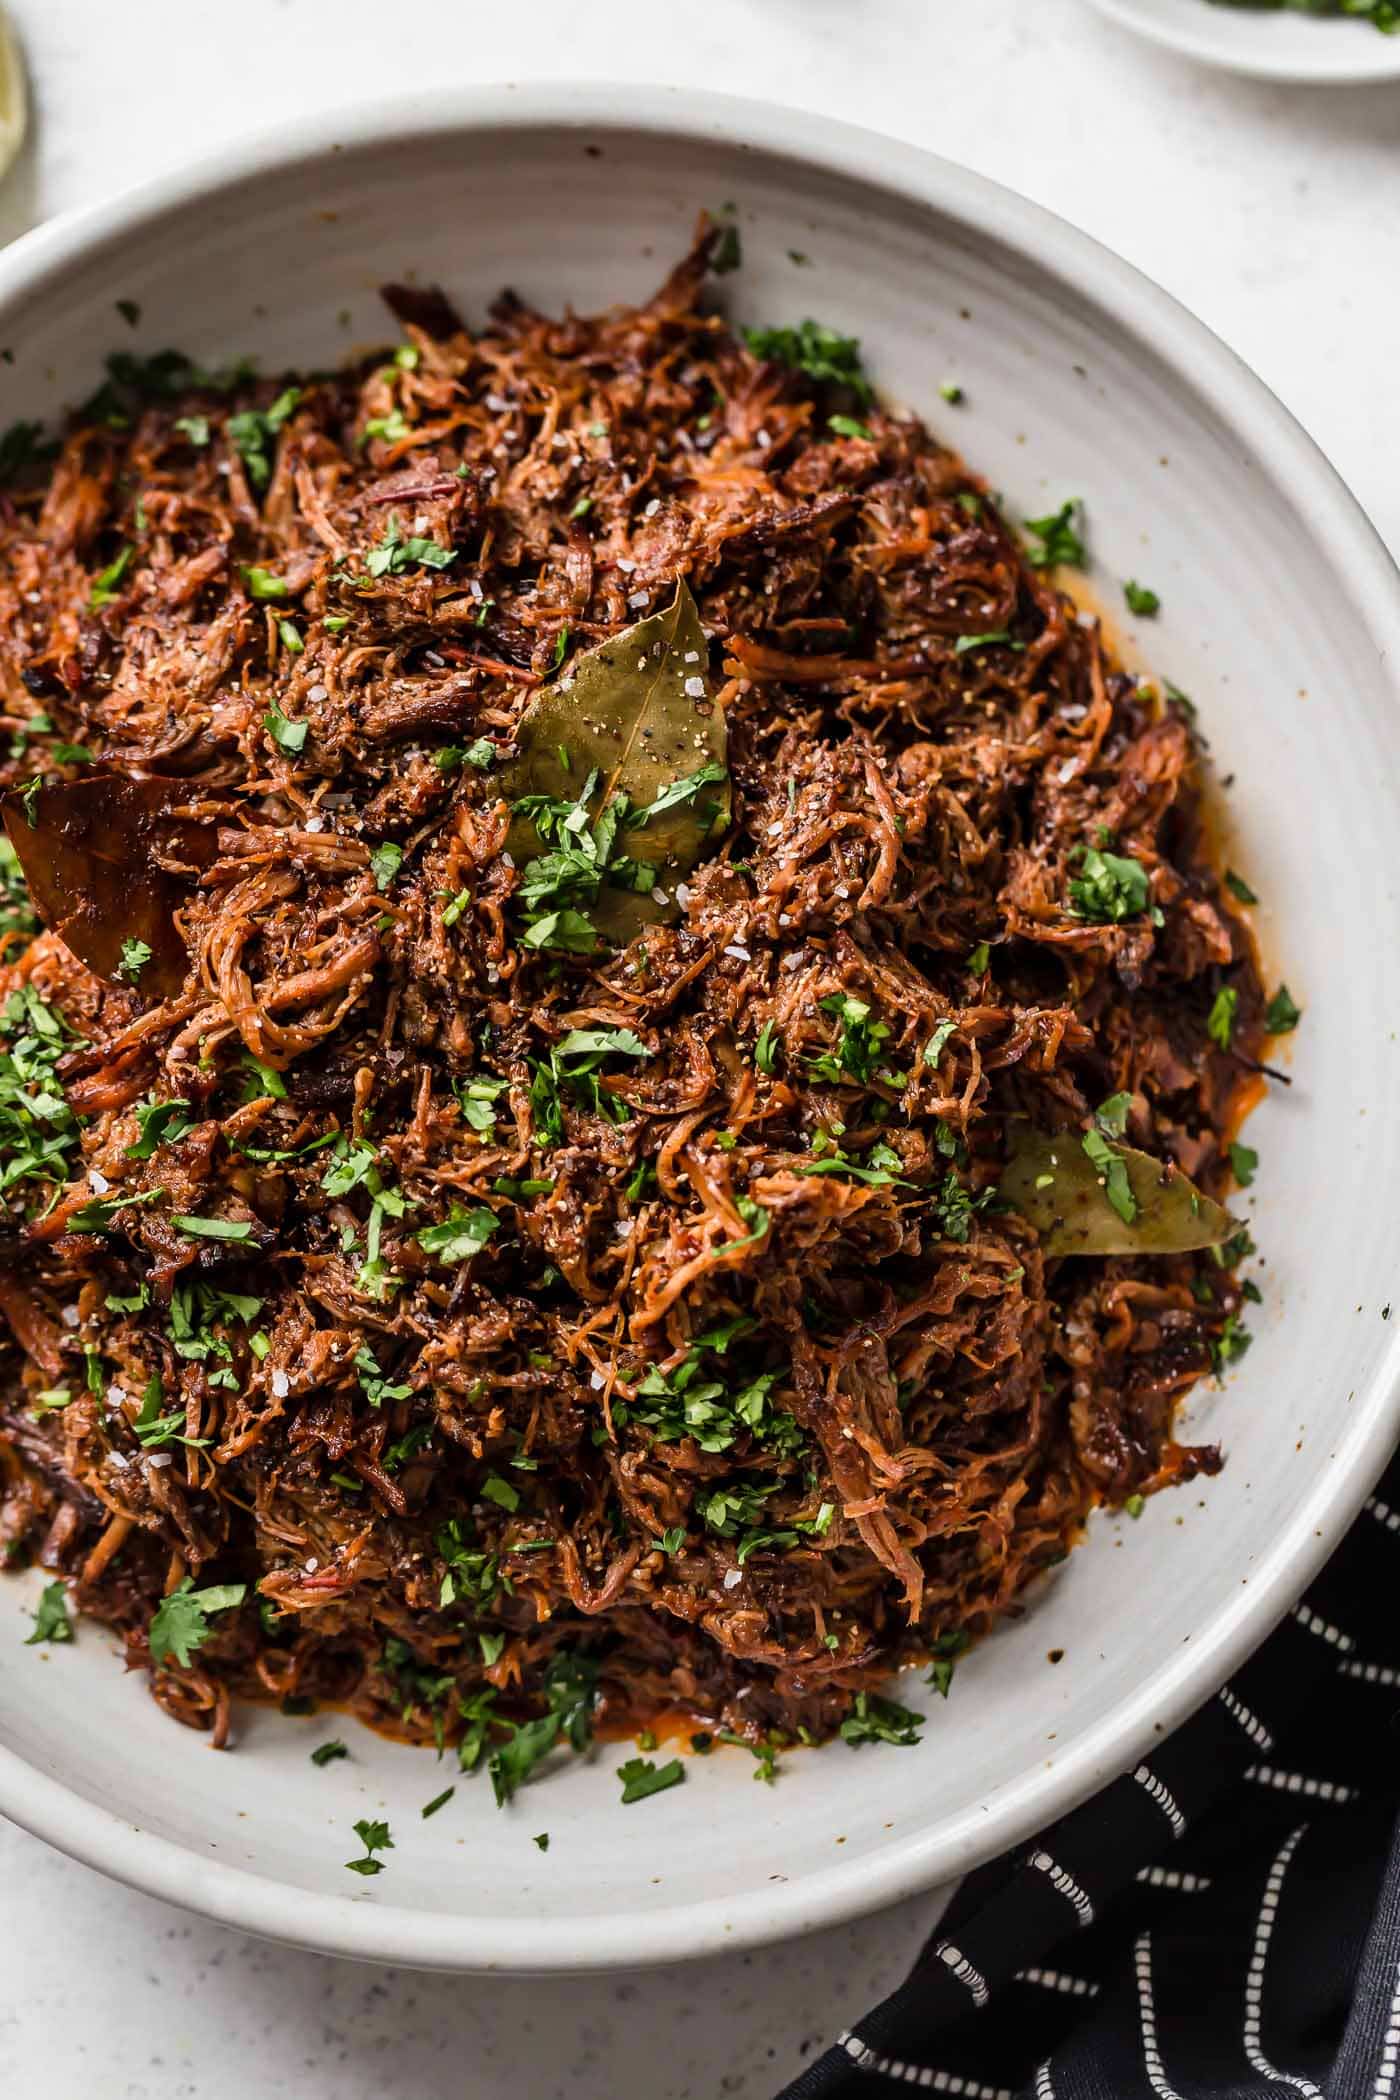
x: 108, y: 859
x: 1058, y: 1188
x: 640, y: 712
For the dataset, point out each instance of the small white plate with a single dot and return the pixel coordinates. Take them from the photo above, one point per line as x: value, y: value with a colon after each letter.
x: 1307, y: 49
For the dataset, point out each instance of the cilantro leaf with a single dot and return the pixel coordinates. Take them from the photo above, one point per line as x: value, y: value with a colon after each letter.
x: 1220, y: 1023
x: 374, y: 1837
x: 1281, y: 1016
x: 1114, y: 1172
x: 181, y: 1621
x: 385, y: 862
x: 818, y: 351
x: 460, y: 1235
x: 135, y: 956
x: 51, y: 1620
x: 641, y: 1777
x: 213, y: 1228
x: 1108, y: 888
x: 1243, y: 1161
x: 395, y: 554
x: 108, y: 585
x: 877, y: 1720
x: 1060, y: 543
x: 288, y: 736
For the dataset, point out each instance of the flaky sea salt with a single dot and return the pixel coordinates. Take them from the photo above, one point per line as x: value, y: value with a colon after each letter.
x: 732, y: 1578
x: 739, y: 952
x: 695, y: 688
x: 281, y: 1385
x: 658, y: 895
x: 98, y: 1181
x: 639, y: 598
x: 652, y: 508
x: 158, y: 1459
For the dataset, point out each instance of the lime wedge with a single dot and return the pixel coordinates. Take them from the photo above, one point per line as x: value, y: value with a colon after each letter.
x: 14, y: 96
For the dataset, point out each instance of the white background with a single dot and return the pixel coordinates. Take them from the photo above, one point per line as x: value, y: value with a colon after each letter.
x: 1270, y: 211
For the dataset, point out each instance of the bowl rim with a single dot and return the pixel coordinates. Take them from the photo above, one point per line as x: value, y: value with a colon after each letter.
x: 462, y: 1942
x: 1200, y: 43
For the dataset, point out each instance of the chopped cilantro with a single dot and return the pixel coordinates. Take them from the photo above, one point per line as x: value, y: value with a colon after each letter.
x: 965, y: 643
x: 1109, y: 887
x: 937, y: 1042
x: 460, y: 1235
x: 857, y: 1047
x: 641, y: 1777
x: 945, y: 1652
x: 289, y: 736
x: 135, y: 956
x: 213, y: 1228
x: 394, y: 554
x: 1060, y: 543
x: 766, y: 1048
x: 1243, y: 1161
x: 181, y: 1620
x: 375, y: 1838
x: 262, y: 584
x: 106, y: 586
x: 877, y: 1720
x: 1220, y: 1023
x: 327, y: 1753
x: 1281, y: 1016
x: 253, y: 432
x: 1140, y: 600
x: 1112, y: 1169
x: 385, y: 862
x: 51, y: 1620
x: 819, y: 352
x: 267, y: 1080
x: 1230, y: 1344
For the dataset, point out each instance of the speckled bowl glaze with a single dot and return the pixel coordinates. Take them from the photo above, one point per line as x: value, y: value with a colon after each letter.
x: 1281, y: 614
x: 1316, y: 50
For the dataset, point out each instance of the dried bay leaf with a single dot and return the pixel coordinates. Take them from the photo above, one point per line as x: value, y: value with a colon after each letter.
x: 1060, y: 1190
x: 108, y: 859
x: 637, y: 717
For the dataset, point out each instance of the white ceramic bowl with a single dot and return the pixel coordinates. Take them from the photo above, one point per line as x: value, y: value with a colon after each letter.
x: 1306, y: 49
x: 1281, y: 613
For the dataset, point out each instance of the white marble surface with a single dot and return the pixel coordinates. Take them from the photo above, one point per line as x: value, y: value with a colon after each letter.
x: 1271, y: 212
